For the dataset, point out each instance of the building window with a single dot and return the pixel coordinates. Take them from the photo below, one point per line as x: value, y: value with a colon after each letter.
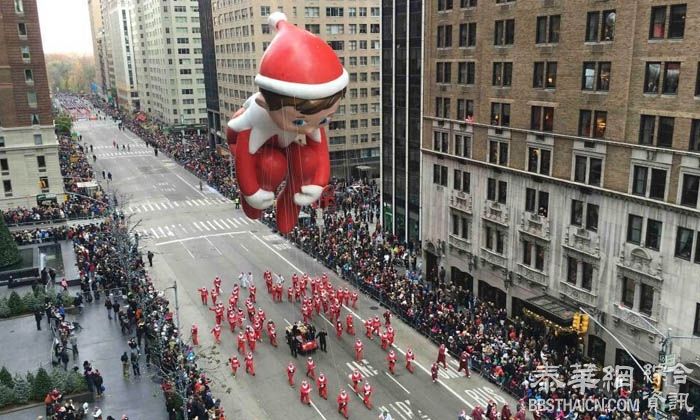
x: 584, y: 215
x: 542, y: 118
x: 649, y: 182
x: 334, y: 11
x: 29, y: 76
x: 547, y: 31
x: 41, y: 163
x: 460, y: 226
x: 443, y: 5
x: 44, y: 184
x: 502, y: 73
x: 533, y: 255
x: 696, y: 325
x: 504, y: 32
x: 634, y: 229
x: 7, y: 186
x: 689, y: 190
x: 462, y: 181
x: 653, y: 236
x: 19, y: 7
x: 444, y: 36
x: 440, y: 175
x: 31, y: 99
x: 4, y: 167
x: 596, y: 76
x: 661, y: 15
x: 442, y: 107
x: 694, y: 144
x: 336, y: 45
x: 588, y: 170
x: 496, y: 190
x: 646, y: 299
x: 26, y: 57
x: 539, y: 160
x: 652, y: 76
x: 495, y: 239
x: 697, y: 81
x: 671, y: 74
x: 498, y: 152
x: 314, y: 28
x: 464, y: 4
x: 684, y: 244
x: 467, y: 34
x: 264, y: 10
x: 544, y: 75
x: 466, y: 74
x: 22, y: 29
x: 2, y: 141
x: 463, y: 145
x: 537, y: 202
x: 600, y: 26
x: 500, y: 114
x: 592, y: 124
x: 441, y: 141
x: 465, y: 109
x: 628, y: 287
x: 648, y: 131
x: 444, y: 72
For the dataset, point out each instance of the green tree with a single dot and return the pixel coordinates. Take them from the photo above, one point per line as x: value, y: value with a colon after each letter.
x: 59, y: 379
x: 75, y: 383
x: 23, y: 390
x: 7, y: 395
x: 42, y: 385
x: 6, y: 378
x: 15, y: 303
x: 63, y: 124
x: 9, y: 253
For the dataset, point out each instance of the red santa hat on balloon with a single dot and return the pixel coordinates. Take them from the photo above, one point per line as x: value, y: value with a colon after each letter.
x: 299, y: 64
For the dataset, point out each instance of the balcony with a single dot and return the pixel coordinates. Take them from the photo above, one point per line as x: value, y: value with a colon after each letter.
x: 535, y: 225
x: 461, y: 201
x: 491, y: 257
x: 633, y: 321
x: 531, y: 276
x: 578, y: 294
x: 496, y: 212
x: 462, y: 245
x: 583, y: 241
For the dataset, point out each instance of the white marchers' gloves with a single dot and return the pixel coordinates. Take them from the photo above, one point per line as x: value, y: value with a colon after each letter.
x: 308, y: 194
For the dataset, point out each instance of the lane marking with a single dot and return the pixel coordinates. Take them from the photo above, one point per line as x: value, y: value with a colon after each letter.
x: 197, y: 226
x: 242, y: 219
x: 212, y: 244
x: 200, y: 237
x: 176, y: 204
x: 154, y: 233
x: 188, y: 184
x: 188, y: 251
x: 397, y: 382
x: 243, y: 246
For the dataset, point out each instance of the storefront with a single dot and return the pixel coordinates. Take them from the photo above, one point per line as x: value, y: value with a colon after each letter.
x: 549, y: 314
x: 461, y: 278
x: 488, y: 293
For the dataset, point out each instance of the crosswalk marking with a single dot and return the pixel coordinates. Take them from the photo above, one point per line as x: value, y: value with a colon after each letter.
x: 233, y: 222
x: 219, y: 225
x: 197, y: 226
x: 176, y: 205
x: 153, y: 231
x: 242, y: 219
x: 212, y: 226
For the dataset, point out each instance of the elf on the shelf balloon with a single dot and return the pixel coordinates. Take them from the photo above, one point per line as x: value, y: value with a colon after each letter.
x: 280, y: 133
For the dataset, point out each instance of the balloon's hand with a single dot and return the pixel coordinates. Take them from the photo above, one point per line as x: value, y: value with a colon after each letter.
x: 308, y: 194
x: 261, y: 199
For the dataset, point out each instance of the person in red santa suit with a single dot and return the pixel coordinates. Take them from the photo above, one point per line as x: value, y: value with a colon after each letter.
x: 232, y: 321
x: 358, y: 350
x: 355, y: 378
x: 390, y: 334
x: 217, y: 284
x: 195, y: 334
x: 250, y: 338
x: 214, y: 296
x: 367, y: 395
x: 442, y: 356
x: 272, y: 333
x: 353, y: 299
x: 384, y: 339
x: 343, y: 401
x: 261, y: 315
x: 217, y: 333
x: 434, y: 369
x: 338, y: 329
x: 280, y: 134
x: 290, y: 294
x: 369, y: 327
x: 311, y: 368
x: 234, y: 363
x: 218, y: 312
x: 375, y: 325
x: 252, y: 291
x: 349, y: 324
x: 290, y: 373
x: 204, y: 294
x: 391, y: 358
x: 322, y: 384
x: 250, y: 364
x: 241, y: 342
x: 305, y: 392
x: 257, y: 328
x: 240, y: 317
x: 464, y: 363
x: 232, y: 300
x: 410, y: 357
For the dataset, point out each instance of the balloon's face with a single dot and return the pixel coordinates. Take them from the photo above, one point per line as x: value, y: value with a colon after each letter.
x: 289, y: 119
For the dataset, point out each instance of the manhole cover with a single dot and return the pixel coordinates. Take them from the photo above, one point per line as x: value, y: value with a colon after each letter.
x: 374, y: 308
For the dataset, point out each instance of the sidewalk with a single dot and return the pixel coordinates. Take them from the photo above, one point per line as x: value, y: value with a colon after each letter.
x: 102, y: 343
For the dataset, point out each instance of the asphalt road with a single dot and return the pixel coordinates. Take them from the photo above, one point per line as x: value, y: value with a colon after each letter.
x: 197, y: 235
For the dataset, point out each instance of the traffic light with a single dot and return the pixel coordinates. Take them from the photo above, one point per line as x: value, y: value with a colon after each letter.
x: 584, y: 324
x: 576, y: 324
x: 656, y: 382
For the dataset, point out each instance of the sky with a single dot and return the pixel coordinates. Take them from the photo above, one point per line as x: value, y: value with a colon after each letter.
x: 65, y: 26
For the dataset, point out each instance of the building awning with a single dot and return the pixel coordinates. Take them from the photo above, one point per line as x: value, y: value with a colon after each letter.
x: 552, y: 309
x: 88, y: 184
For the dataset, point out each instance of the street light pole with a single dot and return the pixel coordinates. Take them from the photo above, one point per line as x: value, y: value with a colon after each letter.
x: 591, y: 317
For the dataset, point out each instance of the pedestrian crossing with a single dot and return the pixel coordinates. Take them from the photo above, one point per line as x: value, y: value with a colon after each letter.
x: 124, y: 154
x: 131, y: 146
x: 199, y: 227
x: 174, y: 205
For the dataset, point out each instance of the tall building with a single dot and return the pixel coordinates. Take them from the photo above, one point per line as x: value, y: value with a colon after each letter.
x: 241, y: 34
x: 576, y: 184
x: 211, y: 82
x: 98, y: 47
x: 28, y: 146
x: 122, y: 39
x: 171, y: 74
x: 402, y: 55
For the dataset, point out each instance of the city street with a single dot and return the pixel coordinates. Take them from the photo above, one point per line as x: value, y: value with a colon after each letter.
x: 197, y: 235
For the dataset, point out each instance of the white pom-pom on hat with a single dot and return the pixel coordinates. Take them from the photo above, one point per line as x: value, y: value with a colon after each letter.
x: 275, y: 18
